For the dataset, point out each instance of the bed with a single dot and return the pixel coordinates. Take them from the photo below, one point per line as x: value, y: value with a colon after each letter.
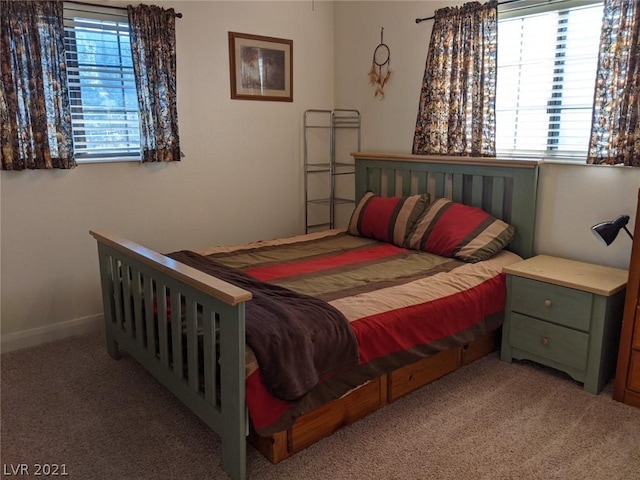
x: 205, y: 317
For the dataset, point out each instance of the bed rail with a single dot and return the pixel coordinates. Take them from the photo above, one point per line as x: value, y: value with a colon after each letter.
x: 155, y: 306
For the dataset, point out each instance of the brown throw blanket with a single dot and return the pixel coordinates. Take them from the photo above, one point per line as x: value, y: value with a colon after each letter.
x: 297, y: 339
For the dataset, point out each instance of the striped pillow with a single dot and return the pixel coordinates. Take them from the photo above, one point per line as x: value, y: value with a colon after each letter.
x: 388, y: 219
x: 455, y: 230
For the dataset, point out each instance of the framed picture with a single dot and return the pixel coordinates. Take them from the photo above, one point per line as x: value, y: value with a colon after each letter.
x: 261, y: 68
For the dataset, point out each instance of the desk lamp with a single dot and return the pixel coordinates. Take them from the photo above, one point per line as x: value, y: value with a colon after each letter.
x: 606, y: 232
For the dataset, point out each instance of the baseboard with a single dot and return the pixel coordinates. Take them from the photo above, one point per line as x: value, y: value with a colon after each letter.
x: 50, y: 333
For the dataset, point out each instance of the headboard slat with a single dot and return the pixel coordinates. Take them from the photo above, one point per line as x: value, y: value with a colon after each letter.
x: 497, y: 197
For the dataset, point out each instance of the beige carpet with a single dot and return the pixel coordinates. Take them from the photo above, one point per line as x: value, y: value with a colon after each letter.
x: 69, y: 403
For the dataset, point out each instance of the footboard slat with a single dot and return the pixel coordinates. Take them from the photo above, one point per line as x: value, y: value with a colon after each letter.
x: 115, y: 274
x: 136, y: 291
x: 192, y: 343
x: 156, y: 309
x: 209, y: 344
x: 147, y: 286
x: 176, y: 332
x: 125, y: 275
x: 161, y: 302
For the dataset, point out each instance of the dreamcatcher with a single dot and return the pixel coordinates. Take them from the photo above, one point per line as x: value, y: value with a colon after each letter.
x: 380, y: 72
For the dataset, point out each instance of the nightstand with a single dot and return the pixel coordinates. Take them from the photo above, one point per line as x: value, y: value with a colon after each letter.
x: 566, y: 315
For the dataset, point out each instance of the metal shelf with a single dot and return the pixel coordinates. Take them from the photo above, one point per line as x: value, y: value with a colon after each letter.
x: 332, y: 120
x: 326, y: 167
x: 329, y: 201
x: 343, y: 200
x: 318, y: 168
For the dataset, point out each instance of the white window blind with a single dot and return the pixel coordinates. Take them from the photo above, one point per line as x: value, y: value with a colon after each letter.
x: 546, y: 80
x: 104, y: 103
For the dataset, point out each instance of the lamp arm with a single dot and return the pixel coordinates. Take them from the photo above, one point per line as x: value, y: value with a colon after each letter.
x: 628, y: 232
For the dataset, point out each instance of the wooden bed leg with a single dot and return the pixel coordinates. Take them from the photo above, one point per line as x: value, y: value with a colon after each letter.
x: 234, y: 454
x: 505, y: 348
x: 113, y: 348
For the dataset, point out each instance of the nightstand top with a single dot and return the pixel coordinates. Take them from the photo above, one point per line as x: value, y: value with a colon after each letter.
x: 571, y: 273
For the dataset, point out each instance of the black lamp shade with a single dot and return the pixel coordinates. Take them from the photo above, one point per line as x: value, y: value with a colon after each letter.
x: 607, y: 232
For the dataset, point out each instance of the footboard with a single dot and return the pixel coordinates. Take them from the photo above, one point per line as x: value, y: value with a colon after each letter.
x: 184, y: 326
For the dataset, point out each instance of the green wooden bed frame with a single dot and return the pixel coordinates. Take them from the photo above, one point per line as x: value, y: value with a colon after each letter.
x: 506, y: 189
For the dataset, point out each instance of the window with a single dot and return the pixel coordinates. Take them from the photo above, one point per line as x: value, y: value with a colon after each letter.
x: 104, y: 103
x: 546, y: 79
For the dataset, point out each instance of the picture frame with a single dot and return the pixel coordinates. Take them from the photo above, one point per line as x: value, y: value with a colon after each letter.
x: 261, y: 68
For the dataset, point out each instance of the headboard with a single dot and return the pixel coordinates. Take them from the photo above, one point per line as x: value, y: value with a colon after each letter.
x: 506, y: 189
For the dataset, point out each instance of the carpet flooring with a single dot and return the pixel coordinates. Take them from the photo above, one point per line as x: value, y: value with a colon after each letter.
x: 68, y: 403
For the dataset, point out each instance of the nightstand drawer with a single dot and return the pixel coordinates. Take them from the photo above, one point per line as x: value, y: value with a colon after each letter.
x: 561, y: 305
x: 559, y: 344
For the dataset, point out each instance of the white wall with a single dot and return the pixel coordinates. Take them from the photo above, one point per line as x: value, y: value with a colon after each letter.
x: 241, y: 178
x: 571, y: 198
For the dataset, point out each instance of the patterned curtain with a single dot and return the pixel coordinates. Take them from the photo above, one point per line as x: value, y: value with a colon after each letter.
x: 615, y: 130
x: 456, y: 114
x: 35, y: 130
x: 153, y: 45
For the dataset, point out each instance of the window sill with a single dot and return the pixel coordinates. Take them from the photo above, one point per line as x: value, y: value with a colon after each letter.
x: 542, y: 159
x: 575, y: 163
x: 109, y: 160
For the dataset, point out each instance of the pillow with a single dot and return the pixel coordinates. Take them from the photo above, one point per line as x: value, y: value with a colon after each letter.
x: 388, y: 219
x: 455, y: 230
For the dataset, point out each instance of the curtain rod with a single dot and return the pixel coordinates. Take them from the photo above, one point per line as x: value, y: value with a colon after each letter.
x: 504, y: 2
x: 178, y: 14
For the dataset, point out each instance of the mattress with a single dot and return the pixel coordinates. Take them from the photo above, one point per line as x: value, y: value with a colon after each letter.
x: 403, y: 305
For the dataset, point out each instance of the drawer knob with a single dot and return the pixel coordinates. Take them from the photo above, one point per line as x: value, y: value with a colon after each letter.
x: 547, y: 303
x: 544, y: 340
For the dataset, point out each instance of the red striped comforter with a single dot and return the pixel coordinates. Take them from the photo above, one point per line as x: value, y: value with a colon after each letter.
x: 403, y: 305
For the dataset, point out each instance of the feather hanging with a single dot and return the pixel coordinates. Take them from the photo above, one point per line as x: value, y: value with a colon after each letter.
x: 380, y: 73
